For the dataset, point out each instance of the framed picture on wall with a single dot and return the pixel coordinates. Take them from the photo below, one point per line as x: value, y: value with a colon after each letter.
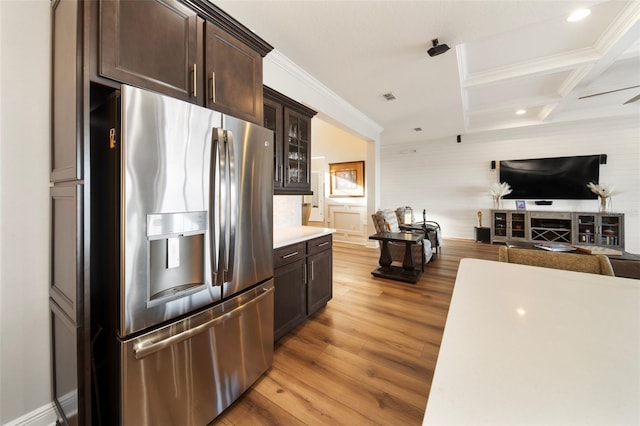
x: 347, y: 179
x: 520, y: 205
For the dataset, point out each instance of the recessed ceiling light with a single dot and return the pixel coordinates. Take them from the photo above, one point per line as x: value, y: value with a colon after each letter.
x: 578, y: 15
x: 521, y: 111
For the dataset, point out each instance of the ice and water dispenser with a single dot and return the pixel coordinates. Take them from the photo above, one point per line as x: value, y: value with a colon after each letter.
x: 176, y: 254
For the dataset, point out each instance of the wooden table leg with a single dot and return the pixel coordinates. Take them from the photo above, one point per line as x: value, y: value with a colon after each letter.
x: 407, y: 262
x: 385, y: 255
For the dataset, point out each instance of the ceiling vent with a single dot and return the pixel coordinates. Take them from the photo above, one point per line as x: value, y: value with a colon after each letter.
x: 389, y: 96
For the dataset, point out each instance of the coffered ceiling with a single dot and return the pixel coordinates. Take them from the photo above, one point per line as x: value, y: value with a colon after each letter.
x: 505, y: 56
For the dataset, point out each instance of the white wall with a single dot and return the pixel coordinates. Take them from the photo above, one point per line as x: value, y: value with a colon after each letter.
x: 451, y: 180
x: 348, y: 215
x: 24, y: 207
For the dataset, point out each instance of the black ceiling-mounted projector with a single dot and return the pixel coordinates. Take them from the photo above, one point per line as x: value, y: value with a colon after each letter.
x: 437, y: 49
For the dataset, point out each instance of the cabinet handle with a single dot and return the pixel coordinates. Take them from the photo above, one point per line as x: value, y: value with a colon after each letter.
x: 305, y: 274
x: 323, y: 244
x: 286, y: 256
x: 195, y: 80
x: 212, y: 85
x: 312, y: 269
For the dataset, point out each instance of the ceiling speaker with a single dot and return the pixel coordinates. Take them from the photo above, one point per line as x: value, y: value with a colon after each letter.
x: 437, y: 49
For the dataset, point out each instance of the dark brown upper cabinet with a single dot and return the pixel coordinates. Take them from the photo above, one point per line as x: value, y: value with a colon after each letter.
x: 291, y: 125
x: 152, y: 44
x: 66, y: 89
x: 273, y: 120
x: 297, y: 151
x: 233, y: 75
x: 188, y: 49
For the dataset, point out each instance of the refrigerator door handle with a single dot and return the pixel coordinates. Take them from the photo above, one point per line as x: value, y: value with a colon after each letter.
x: 216, y: 211
x: 224, y: 208
x: 232, y: 220
x: 144, y: 349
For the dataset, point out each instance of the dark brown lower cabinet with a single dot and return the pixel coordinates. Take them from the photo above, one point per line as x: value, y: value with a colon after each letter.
x: 319, y: 287
x: 290, y: 298
x: 303, y: 278
x: 64, y: 357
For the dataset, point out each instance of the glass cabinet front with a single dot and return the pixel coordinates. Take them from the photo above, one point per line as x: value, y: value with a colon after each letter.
x: 297, y: 150
x: 500, y: 224
x: 518, y: 225
x: 587, y: 229
x: 273, y: 122
x: 610, y: 230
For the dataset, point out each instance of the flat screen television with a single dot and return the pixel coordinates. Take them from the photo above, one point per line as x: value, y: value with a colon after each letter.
x: 559, y: 178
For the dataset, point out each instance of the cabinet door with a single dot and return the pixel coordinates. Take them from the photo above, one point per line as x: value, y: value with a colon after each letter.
x: 297, y: 150
x: 273, y: 121
x: 319, y: 288
x: 517, y: 226
x: 151, y: 44
x: 233, y: 76
x: 66, y: 140
x: 68, y: 390
x: 585, y: 228
x: 66, y: 274
x: 498, y: 226
x: 289, y: 307
x: 611, y: 230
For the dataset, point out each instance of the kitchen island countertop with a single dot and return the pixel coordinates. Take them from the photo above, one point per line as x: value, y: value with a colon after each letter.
x: 537, y: 346
x: 295, y: 234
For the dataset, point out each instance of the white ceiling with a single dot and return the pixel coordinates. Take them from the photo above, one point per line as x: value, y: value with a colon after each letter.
x: 505, y: 55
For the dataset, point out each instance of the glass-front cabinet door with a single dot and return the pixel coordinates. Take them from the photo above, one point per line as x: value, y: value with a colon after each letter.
x: 517, y: 226
x: 611, y: 230
x: 587, y: 228
x: 498, y: 225
x: 297, y: 159
x: 273, y: 122
x: 599, y: 229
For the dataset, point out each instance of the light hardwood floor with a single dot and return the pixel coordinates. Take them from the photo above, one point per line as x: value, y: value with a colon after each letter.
x: 368, y: 357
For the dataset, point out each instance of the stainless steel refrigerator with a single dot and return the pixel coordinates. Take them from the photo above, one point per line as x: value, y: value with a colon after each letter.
x: 182, y: 273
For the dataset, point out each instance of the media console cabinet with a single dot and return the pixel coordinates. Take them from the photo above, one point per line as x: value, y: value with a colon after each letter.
x: 598, y: 229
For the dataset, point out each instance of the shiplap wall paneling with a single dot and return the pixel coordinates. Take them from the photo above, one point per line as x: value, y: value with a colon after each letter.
x: 451, y: 180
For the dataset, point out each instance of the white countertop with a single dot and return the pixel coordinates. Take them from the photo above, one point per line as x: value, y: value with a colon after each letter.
x: 295, y: 234
x: 537, y: 346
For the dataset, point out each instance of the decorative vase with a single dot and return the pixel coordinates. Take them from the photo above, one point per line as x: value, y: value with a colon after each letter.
x: 306, y: 213
x: 605, y: 204
x: 497, y: 203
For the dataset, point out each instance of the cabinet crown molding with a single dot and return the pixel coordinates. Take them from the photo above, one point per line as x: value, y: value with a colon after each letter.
x: 225, y: 21
x: 296, y: 106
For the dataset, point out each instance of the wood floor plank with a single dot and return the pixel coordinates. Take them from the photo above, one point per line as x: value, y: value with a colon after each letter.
x: 308, y: 405
x: 368, y: 357
x: 378, y: 406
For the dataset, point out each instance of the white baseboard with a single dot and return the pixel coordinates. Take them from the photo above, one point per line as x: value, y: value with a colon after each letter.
x: 43, y: 416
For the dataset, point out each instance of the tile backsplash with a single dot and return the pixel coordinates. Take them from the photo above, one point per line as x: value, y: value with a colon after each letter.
x: 287, y: 210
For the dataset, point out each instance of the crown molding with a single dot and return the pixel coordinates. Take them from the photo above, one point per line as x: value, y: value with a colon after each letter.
x: 283, y: 75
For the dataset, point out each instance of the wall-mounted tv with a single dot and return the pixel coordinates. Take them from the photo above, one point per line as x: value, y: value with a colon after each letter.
x: 559, y: 178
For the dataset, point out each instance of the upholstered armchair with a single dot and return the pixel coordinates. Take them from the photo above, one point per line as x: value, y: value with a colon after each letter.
x: 386, y: 221
x: 430, y: 228
x: 593, y: 264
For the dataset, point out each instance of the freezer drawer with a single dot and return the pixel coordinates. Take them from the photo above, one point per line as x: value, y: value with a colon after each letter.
x: 188, y: 372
